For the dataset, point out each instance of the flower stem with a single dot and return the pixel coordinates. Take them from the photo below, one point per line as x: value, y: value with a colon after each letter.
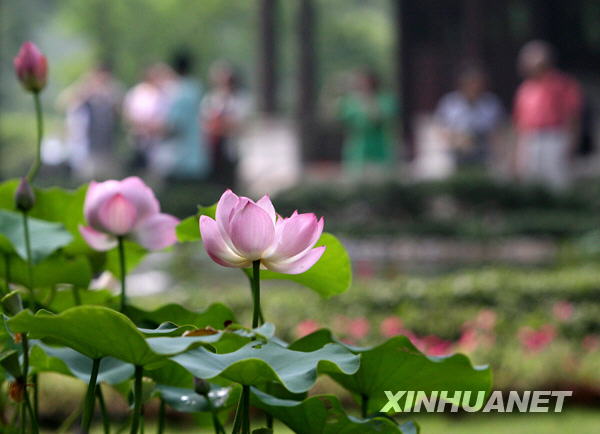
x: 256, y: 312
x: 26, y: 402
x: 88, y: 409
x: 161, y: 417
x: 29, y: 258
x: 37, y: 162
x: 364, y: 405
x: 137, y: 396
x: 103, y: 410
x: 123, y: 269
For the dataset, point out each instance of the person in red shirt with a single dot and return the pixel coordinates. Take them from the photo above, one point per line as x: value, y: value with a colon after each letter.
x: 547, y: 110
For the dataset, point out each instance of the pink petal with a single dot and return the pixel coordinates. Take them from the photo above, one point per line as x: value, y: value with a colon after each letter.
x: 157, y: 232
x: 225, y: 206
x: 296, y: 235
x: 252, y: 231
x: 140, y: 195
x: 298, y: 266
x: 216, y: 247
x: 97, y: 240
x: 96, y: 194
x: 117, y: 215
x: 266, y: 204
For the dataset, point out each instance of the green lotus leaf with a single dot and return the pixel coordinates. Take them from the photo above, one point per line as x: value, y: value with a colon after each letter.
x: 397, y: 365
x: 258, y: 363
x: 46, y: 237
x: 324, y: 414
x: 214, y: 315
x: 188, y: 401
x: 64, y: 360
x: 98, y: 332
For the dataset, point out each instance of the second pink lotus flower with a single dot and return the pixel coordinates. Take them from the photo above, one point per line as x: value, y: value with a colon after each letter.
x: 245, y: 231
x: 125, y: 208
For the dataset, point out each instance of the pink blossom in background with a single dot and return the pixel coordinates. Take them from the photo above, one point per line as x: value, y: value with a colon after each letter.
x: 536, y: 340
x: 591, y: 343
x: 469, y: 340
x: 435, y: 346
x: 126, y: 208
x: 486, y: 319
x: 391, y: 326
x: 245, y: 231
x: 31, y: 67
x: 306, y: 327
x: 563, y: 310
x: 358, y: 328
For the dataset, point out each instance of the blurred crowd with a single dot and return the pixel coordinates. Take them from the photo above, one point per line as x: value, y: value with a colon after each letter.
x: 178, y: 130
x: 175, y: 129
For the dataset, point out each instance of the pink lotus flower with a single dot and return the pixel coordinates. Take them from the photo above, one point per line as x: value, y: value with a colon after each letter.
x: 536, y: 340
x: 125, y: 208
x: 31, y: 67
x: 563, y: 310
x: 306, y: 327
x: 358, y: 328
x: 391, y: 326
x: 245, y: 231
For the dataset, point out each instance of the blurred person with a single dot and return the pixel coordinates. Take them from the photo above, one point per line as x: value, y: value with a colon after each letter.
x: 547, y: 111
x: 145, y: 109
x: 92, y: 106
x: 367, y: 113
x: 469, y: 117
x: 224, y: 110
x: 182, y: 154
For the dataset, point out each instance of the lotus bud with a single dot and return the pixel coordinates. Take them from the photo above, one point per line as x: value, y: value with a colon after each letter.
x: 31, y: 67
x: 201, y: 387
x: 12, y: 303
x: 24, y: 196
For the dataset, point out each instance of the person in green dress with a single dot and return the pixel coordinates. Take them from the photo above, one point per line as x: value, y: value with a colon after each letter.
x: 367, y: 114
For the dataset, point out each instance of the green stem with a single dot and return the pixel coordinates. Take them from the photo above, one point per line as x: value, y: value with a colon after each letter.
x: 137, y: 396
x: 215, y: 416
x: 103, y: 410
x: 88, y: 409
x: 37, y: 162
x: 34, y: 424
x: 29, y: 258
x: 36, y: 395
x: 256, y: 294
x: 123, y: 269
x: 26, y: 401
x: 364, y: 405
x: 162, y: 409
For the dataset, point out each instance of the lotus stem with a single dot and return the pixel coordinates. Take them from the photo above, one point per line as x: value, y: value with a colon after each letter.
x: 88, y: 409
x: 123, y: 269
x: 364, y: 405
x: 256, y: 311
x: 37, y: 162
x: 103, y: 410
x: 161, y: 417
x: 29, y: 258
x: 137, y: 403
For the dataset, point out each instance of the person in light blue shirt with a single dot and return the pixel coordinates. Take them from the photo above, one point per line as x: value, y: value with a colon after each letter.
x: 189, y: 159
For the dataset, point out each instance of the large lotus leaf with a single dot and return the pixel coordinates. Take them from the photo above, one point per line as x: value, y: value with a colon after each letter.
x: 97, y: 332
x: 258, y: 363
x: 45, y: 237
x: 67, y: 361
x: 397, y: 365
x: 324, y: 414
x: 188, y: 401
x: 331, y: 275
x: 214, y: 315
x: 66, y: 298
x: 55, y: 269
